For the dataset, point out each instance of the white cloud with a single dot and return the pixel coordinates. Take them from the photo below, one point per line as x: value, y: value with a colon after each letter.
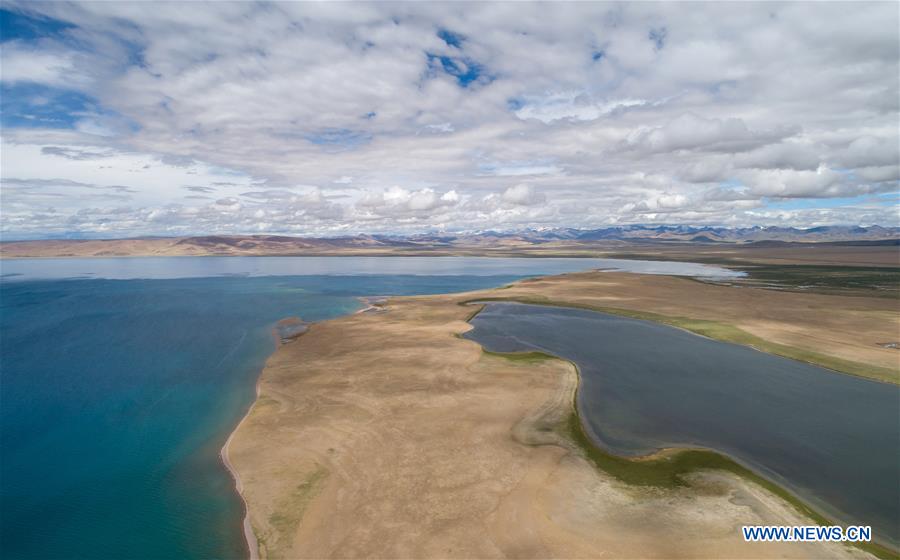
x: 690, y: 131
x: 786, y: 183
x: 573, y: 106
x: 19, y: 63
x: 880, y: 173
x: 398, y: 202
x: 785, y: 155
x: 521, y: 170
x: 315, y: 118
x: 523, y: 195
x: 869, y: 151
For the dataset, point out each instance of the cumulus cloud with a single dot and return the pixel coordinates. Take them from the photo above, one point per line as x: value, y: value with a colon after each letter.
x: 706, y: 170
x: 397, y: 201
x: 690, y: 131
x: 785, y: 155
x: 870, y: 151
x: 523, y: 195
x: 879, y: 174
x: 787, y: 183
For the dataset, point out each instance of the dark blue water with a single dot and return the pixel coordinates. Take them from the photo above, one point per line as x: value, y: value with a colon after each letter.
x: 831, y: 438
x: 117, y: 395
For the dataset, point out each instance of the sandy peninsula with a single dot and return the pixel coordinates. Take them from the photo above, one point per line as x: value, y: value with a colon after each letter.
x: 386, y: 435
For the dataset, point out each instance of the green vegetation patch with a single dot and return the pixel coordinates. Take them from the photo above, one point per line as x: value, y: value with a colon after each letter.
x: 522, y: 357
x: 474, y: 313
x: 670, y: 470
x: 291, y: 508
x: 678, y: 257
x: 873, y: 281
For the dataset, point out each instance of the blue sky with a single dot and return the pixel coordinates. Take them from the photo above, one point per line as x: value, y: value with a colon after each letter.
x: 17, y: 25
x: 327, y: 119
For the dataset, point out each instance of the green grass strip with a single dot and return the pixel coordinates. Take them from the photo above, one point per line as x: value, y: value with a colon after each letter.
x: 669, y: 470
x: 523, y: 357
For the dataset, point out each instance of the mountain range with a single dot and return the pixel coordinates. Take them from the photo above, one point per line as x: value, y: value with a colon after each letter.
x: 531, y: 241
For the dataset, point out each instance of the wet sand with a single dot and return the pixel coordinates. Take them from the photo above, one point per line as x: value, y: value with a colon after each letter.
x: 387, y: 435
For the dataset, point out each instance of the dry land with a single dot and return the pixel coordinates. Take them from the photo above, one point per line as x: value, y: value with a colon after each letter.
x: 775, y: 253
x: 384, y: 434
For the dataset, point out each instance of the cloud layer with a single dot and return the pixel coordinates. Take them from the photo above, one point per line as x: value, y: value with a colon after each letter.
x: 337, y: 118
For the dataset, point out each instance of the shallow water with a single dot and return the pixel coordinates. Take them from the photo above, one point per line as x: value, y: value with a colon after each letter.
x: 831, y: 438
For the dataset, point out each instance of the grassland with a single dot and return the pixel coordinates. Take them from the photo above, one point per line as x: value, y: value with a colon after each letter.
x: 846, y: 280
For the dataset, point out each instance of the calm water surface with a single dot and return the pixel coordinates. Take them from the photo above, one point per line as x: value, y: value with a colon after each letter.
x: 831, y: 438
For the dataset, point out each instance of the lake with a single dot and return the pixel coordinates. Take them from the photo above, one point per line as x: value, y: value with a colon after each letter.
x: 832, y: 439
x: 122, y: 378
x: 205, y: 267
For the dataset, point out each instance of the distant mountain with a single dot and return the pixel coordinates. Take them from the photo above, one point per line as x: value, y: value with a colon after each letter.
x: 708, y: 234
x: 558, y: 240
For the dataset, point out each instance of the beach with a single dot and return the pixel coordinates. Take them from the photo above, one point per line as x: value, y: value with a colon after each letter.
x: 388, y: 435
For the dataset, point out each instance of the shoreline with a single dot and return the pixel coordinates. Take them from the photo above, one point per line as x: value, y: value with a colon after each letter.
x: 373, y: 304
x: 249, y: 536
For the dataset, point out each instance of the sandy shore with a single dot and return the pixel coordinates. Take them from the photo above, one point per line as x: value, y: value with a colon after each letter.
x: 386, y: 435
x: 285, y: 331
x: 249, y: 536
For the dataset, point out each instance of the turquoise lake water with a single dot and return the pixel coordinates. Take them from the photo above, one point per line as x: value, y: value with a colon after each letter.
x: 122, y: 378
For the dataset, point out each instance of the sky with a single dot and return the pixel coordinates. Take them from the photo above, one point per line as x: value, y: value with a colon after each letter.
x: 127, y: 119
